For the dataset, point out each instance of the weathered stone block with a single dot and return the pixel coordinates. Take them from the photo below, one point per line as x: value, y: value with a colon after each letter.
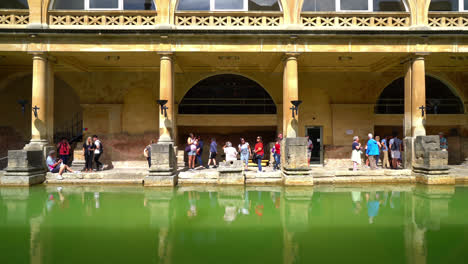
x: 231, y: 172
x: 25, y: 167
x: 431, y: 164
x: 163, y: 170
x: 408, y: 157
x: 295, y: 152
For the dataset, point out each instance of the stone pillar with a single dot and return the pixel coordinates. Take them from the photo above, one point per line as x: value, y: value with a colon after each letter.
x: 295, y: 168
x: 166, y: 92
x: 50, y: 101
x: 163, y: 170
x: 290, y: 93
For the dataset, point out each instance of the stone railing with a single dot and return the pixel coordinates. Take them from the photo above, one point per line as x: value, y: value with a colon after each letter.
x: 321, y: 20
x: 229, y: 19
x: 14, y: 18
x: 102, y: 19
x: 448, y: 20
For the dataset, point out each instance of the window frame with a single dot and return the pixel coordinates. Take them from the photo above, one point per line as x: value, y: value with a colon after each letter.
x: 120, y: 6
x: 370, y: 7
x: 245, y: 6
x: 461, y: 6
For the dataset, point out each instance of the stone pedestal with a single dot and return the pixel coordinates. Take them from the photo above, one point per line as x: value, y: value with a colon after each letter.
x: 180, y: 158
x: 25, y: 168
x: 296, y: 169
x: 231, y: 172
x: 79, y: 161
x: 163, y: 170
x: 430, y: 163
x: 408, y: 157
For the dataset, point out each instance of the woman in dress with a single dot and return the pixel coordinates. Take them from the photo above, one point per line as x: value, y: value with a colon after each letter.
x: 356, y: 153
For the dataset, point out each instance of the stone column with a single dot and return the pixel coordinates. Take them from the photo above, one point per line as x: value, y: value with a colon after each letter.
x: 50, y: 101
x: 166, y: 92
x: 290, y: 92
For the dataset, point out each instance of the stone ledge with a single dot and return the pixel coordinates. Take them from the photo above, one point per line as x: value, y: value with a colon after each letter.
x: 208, y: 174
x: 94, y: 181
x: 266, y: 174
x: 183, y: 182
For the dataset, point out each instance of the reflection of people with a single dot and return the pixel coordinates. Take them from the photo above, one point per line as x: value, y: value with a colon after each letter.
x: 373, y: 205
x: 356, y: 198
x: 192, y: 212
x: 245, y: 209
x: 96, y: 199
x: 230, y: 213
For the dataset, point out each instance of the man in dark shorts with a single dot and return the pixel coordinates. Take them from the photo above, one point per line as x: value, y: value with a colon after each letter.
x: 213, y: 153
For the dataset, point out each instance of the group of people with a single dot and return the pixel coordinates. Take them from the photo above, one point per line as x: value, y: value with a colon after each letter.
x: 92, y: 150
x: 377, y: 149
x: 388, y: 149
x: 243, y: 151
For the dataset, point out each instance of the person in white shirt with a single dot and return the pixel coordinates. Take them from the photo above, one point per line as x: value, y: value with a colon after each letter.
x: 97, y: 152
x: 231, y: 153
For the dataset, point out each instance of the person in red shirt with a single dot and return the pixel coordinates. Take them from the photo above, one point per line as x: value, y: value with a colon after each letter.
x: 259, y: 152
x: 64, y: 150
x: 277, y: 154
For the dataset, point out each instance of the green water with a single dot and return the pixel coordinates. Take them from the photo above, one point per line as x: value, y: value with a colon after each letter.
x: 115, y: 224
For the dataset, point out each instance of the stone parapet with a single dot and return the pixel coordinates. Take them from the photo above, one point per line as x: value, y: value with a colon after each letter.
x: 231, y: 172
x: 163, y: 170
x: 25, y: 168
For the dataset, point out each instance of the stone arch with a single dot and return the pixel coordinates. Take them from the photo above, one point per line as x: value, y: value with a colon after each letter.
x: 391, y: 98
x: 248, y: 92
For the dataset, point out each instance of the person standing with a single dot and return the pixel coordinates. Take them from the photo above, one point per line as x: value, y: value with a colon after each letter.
x: 88, y: 151
x: 213, y: 153
x: 395, y: 148
x: 245, y: 152
x: 277, y: 153
x: 231, y: 153
x: 259, y: 152
x: 384, y: 148
x: 372, y: 151
x: 377, y: 139
x: 147, y: 152
x: 64, y: 150
x: 192, y: 142
x: 310, y: 147
x: 200, y: 151
x: 356, y: 153
x: 443, y: 142
x: 98, y: 152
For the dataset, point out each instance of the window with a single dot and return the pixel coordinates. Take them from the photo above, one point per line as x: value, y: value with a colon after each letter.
x: 104, y: 5
x: 229, y: 5
x: 353, y: 5
x: 449, y: 5
x: 14, y: 4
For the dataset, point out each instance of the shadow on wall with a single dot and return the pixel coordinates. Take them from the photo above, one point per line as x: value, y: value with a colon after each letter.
x: 9, y: 139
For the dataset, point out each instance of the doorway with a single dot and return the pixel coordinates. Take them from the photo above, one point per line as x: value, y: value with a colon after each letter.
x: 315, y: 133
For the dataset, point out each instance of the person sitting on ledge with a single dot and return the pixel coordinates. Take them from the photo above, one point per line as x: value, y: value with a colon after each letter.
x: 56, y: 166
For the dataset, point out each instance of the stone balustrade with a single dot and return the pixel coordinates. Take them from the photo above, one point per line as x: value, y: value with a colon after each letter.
x: 13, y: 18
x: 448, y: 20
x: 326, y: 20
x: 102, y: 19
x: 229, y: 19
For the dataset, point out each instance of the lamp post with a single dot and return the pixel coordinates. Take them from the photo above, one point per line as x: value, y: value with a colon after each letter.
x: 23, y: 104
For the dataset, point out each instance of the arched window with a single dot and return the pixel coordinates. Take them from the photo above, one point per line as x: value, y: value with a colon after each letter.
x: 227, y: 94
x: 229, y: 5
x: 14, y: 4
x: 448, y: 5
x: 439, y: 98
x: 103, y: 5
x: 353, y: 5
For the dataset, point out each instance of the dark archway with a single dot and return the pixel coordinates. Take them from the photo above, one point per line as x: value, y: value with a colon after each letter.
x: 440, y: 99
x: 227, y: 94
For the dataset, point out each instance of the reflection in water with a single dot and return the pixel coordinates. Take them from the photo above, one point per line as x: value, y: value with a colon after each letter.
x: 208, y: 224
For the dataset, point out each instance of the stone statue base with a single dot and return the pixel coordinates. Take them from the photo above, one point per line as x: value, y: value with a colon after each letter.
x: 163, y: 170
x: 25, y: 168
x: 231, y: 172
x: 430, y: 163
x: 295, y: 168
x: 79, y: 161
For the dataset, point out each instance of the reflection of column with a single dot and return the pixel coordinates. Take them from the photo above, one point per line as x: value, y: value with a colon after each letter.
x: 295, y: 219
x: 159, y: 203
x: 290, y: 93
x: 166, y: 92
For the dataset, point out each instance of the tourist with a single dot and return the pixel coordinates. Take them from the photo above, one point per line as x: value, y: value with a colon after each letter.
x: 384, y: 148
x: 356, y: 153
x: 277, y: 153
x: 64, y: 150
x: 98, y: 152
x: 443, y: 142
x: 259, y: 153
x: 88, y: 151
x: 395, y: 148
x: 213, y: 153
x: 56, y: 166
x: 372, y: 151
x: 231, y: 153
x: 147, y: 152
x: 245, y: 152
x: 377, y: 139
x: 310, y: 147
x: 192, y: 143
x: 200, y: 146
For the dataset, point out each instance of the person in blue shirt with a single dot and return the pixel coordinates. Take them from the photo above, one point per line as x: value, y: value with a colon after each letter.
x: 200, y: 151
x: 372, y: 151
x: 213, y: 153
x: 384, y: 148
x: 443, y: 142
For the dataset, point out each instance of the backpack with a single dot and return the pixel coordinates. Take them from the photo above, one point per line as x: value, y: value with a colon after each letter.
x: 101, y: 147
x: 396, y: 144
